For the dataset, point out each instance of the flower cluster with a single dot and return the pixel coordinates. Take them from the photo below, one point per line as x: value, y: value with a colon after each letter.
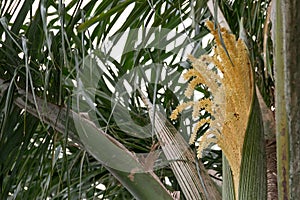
x: 231, y: 87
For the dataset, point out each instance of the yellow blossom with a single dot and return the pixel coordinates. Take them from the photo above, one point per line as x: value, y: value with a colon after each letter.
x: 231, y: 97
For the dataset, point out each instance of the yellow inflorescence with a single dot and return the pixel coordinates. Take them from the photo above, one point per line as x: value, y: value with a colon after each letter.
x: 231, y: 92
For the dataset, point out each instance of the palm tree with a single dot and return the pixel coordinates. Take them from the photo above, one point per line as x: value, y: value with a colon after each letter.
x: 79, y: 81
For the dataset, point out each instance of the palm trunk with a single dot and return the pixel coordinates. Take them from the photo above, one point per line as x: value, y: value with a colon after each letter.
x: 287, y: 64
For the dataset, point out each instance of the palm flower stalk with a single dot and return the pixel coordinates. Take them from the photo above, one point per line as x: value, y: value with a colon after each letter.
x: 232, y: 108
